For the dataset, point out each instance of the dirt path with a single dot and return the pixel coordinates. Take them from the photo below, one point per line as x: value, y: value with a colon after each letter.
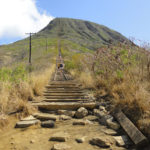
x: 37, y: 138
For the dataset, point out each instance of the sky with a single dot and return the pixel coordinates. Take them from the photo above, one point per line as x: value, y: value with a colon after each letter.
x: 129, y: 17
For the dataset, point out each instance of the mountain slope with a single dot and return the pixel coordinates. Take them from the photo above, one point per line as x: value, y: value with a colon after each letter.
x: 85, y: 33
x: 77, y: 36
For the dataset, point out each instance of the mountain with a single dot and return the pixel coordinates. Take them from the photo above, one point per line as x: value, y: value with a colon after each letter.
x: 85, y: 33
x: 77, y: 36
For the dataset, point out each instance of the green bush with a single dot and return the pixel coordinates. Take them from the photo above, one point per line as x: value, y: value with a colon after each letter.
x: 13, y: 75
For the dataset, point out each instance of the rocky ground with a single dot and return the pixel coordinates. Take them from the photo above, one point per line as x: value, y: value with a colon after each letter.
x: 64, y: 130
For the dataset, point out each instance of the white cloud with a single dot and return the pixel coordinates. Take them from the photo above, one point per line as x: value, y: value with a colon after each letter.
x: 20, y: 16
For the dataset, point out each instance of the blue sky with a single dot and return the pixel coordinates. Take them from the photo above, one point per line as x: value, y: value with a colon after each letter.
x: 129, y: 17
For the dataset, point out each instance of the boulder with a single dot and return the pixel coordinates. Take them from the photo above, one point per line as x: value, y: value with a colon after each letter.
x: 45, y: 116
x: 61, y: 146
x: 113, y: 125
x: 81, y: 113
x: 100, y: 141
x: 59, y: 137
x: 48, y: 124
x: 24, y: 124
x: 66, y: 112
x: 64, y: 117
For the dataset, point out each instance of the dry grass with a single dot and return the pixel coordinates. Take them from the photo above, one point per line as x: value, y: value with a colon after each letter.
x: 87, y: 80
x: 15, y: 96
x: 39, y: 80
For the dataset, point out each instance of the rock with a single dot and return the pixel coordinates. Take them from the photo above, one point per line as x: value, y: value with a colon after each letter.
x: 102, y: 108
x: 29, y: 118
x: 103, y: 120
x: 12, y: 143
x: 61, y: 146
x: 48, y: 124
x: 81, y: 113
x: 64, y: 117
x: 110, y: 132
x: 66, y: 112
x: 100, y: 141
x: 91, y: 118
x: 44, y: 116
x: 59, y: 137
x: 79, y: 122
x: 32, y: 141
x: 112, y: 125
x: 122, y: 140
x: 24, y: 124
x: 80, y: 140
x: 88, y: 121
x: 99, y: 113
x: 119, y: 141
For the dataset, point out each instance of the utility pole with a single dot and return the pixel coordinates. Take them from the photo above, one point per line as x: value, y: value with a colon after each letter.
x: 30, y: 46
x: 46, y: 43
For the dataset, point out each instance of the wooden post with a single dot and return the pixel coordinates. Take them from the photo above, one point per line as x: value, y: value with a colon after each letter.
x: 30, y: 46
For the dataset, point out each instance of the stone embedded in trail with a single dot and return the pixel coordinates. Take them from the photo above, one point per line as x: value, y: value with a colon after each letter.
x: 48, y: 124
x: 80, y: 140
x: 110, y: 132
x: 91, y: 118
x: 24, y: 124
x: 29, y: 118
x: 64, y: 117
x: 66, y: 112
x: 122, y: 140
x: 113, y: 125
x: 79, y: 122
x: 61, y: 146
x: 44, y: 116
x: 100, y: 141
x: 81, y: 113
x: 32, y: 141
x: 59, y: 137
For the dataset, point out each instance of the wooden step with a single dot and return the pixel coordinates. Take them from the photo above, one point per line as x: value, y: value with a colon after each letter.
x: 64, y: 97
x: 73, y: 84
x: 64, y: 105
x: 62, y: 82
x: 64, y: 94
x: 61, y: 86
x: 62, y: 91
x: 65, y: 100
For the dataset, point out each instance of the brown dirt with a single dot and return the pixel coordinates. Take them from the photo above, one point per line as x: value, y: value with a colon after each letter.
x: 37, y: 138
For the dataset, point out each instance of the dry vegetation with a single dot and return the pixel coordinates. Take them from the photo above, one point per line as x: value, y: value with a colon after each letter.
x: 119, y: 74
x: 15, y: 93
